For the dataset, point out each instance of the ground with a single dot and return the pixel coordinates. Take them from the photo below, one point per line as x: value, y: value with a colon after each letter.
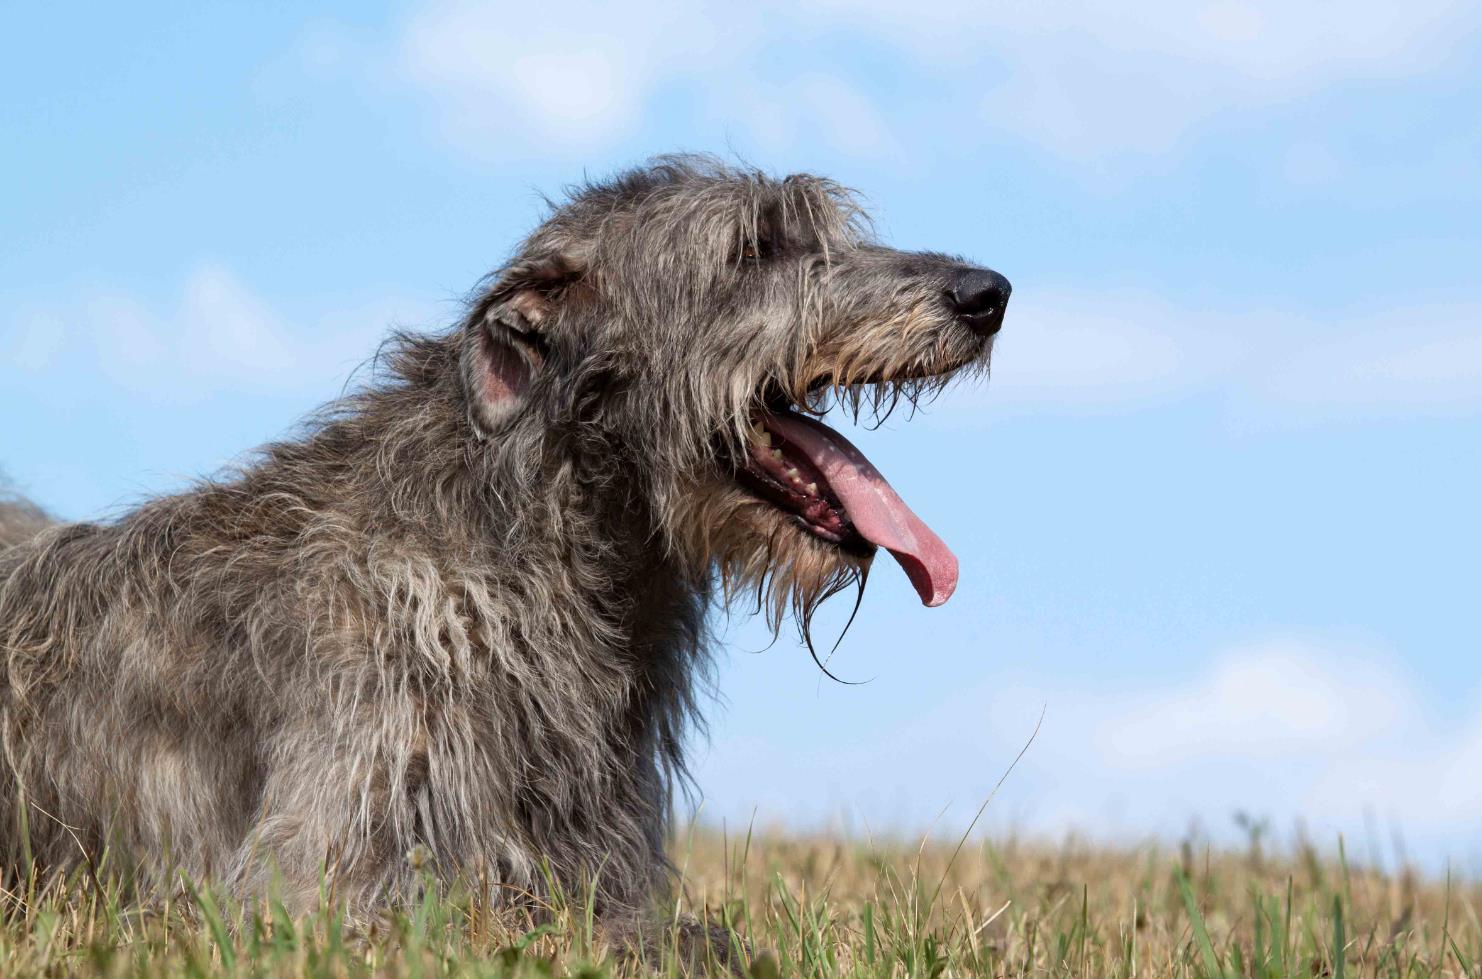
x: 824, y: 906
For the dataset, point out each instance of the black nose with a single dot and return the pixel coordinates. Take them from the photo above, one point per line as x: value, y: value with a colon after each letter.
x: 978, y: 296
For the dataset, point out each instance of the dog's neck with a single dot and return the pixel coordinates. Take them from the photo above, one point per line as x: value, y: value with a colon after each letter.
x: 554, y: 523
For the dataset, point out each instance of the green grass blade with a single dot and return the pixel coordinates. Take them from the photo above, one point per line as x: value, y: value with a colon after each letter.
x: 1212, y: 967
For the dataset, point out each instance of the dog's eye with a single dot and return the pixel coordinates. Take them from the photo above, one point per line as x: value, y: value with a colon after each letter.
x: 755, y: 251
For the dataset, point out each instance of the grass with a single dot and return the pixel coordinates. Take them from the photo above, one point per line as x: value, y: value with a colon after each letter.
x: 824, y: 906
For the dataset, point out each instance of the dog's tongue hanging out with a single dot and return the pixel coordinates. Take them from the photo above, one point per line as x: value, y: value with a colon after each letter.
x: 878, y: 514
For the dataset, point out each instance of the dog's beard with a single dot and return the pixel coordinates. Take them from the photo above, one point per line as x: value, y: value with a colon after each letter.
x: 763, y: 563
x: 782, y: 549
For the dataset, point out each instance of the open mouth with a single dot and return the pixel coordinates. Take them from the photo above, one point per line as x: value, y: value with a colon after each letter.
x: 812, y: 473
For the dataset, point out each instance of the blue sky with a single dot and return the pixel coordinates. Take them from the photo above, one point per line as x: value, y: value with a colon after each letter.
x: 1216, y: 510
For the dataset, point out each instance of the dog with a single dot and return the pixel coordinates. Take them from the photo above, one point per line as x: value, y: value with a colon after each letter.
x: 463, y: 612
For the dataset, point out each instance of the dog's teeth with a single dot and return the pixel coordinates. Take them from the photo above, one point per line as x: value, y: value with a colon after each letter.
x: 777, y: 454
x: 765, y: 438
x: 792, y: 474
x: 812, y: 489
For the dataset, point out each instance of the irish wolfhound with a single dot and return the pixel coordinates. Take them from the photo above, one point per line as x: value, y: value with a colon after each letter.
x: 462, y: 615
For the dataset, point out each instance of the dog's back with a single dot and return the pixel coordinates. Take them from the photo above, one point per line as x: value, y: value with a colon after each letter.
x: 20, y: 520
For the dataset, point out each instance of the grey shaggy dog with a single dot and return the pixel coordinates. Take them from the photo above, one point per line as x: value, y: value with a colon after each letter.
x: 461, y: 615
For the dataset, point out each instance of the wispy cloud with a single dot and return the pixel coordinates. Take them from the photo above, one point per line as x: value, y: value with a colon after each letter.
x: 515, y: 72
x: 813, y: 105
x: 1262, y: 701
x: 512, y: 78
x: 1335, y: 735
x: 1082, y: 80
x: 1064, y: 351
x: 1421, y: 360
x: 217, y: 334
x: 1086, y: 79
x: 1286, y: 728
x: 1073, y: 351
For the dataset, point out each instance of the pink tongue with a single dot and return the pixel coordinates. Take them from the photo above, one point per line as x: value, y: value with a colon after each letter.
x: 880, y: 516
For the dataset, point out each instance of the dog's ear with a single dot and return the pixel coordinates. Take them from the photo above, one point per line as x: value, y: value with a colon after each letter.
x: 505, y: 347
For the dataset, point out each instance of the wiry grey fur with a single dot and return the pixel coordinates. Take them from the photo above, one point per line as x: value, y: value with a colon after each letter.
x: 462, y: 612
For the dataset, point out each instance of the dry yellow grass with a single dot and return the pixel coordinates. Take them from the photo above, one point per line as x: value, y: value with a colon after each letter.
x: 824, y: 906
x: 1012, y: 908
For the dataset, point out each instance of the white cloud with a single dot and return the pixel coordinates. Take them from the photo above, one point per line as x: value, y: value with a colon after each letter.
x: 219, y: 335
x: 1435, y: 787
x: 1081, y: 79
x: 225, y: 325
x: 1065, y: 351
x: 34, y: 343
x: 1090, y: 78
x: 514, y: 78
x: 1257, y: 702
x: 1257, y: 38
x: 515, y: 71
x: 1062, y: 352
x: 1408, y: 361
x: 814, y: 105
x: 1284, y: 729
x: 1288, y: 729
x: 1077, y: 350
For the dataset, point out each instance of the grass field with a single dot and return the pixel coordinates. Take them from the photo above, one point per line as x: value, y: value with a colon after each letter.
x: 820, y: 906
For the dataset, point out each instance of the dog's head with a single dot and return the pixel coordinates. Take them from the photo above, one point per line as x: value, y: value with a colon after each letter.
x: 691, y: 323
